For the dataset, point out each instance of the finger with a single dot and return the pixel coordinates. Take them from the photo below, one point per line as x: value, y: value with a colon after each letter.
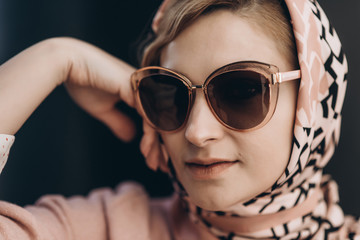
x: 119, y: 123
x: 159, y: 15
x: 150, y: 147
x: 163, y: 162
x: 154, y: 158
x: 126, y: 91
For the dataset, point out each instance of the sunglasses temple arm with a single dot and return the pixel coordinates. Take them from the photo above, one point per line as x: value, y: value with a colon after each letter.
x: 286, y: 76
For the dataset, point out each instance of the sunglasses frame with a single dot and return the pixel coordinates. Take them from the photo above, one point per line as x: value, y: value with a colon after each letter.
x: 270, y: 72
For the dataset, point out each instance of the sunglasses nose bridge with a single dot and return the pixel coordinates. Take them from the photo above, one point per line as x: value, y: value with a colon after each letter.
x: 193, y: 93
x: 193, y: 90
x: 194, y: 87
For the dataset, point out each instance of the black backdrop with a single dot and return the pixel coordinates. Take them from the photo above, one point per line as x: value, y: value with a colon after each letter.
x: 60, y: 149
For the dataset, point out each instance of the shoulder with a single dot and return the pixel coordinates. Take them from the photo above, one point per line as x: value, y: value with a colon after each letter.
x: 126, y: 195
x: 131, y: 207
x: 125, y: 211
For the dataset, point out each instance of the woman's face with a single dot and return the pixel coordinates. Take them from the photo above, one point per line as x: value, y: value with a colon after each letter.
x: 254, y: 159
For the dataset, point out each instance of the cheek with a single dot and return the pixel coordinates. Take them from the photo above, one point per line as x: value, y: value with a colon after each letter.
x: 266, y: 156
x: 175, y: 146
x: 269, y: 148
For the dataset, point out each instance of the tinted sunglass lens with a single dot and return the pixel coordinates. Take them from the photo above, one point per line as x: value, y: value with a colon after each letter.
x: 165, y: 101
x: 240, y: 98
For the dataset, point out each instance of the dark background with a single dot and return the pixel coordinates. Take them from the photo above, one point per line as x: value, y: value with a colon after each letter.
x: 60, y: 149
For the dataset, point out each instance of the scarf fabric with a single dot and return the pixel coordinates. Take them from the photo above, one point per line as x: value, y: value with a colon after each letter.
x: 302, y: 204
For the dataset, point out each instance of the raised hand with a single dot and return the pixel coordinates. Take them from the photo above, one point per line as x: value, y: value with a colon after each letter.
x: 95, y: 80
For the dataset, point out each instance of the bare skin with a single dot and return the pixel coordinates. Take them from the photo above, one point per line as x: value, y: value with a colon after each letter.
x: 95, y: 80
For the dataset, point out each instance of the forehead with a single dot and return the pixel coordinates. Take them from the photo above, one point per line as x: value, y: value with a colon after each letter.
x: 215, y: 40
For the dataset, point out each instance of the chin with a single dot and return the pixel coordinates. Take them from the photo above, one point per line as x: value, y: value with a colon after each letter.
x: 213, y: 200
x: 213, y: 204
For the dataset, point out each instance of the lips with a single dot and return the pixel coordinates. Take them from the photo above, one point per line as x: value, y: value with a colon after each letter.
x: 204, y: 169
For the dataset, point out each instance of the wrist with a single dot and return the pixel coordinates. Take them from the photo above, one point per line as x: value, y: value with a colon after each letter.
x: 60, y: 53
x: 28, y: 78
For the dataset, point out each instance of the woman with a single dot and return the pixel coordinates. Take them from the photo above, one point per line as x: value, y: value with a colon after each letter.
x: 245, y: 147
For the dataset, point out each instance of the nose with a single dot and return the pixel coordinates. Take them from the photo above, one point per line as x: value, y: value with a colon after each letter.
x: 202, y: 127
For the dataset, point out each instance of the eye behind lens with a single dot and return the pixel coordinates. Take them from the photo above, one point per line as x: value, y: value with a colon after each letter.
x: 165, y: 101
x: 239, y: 98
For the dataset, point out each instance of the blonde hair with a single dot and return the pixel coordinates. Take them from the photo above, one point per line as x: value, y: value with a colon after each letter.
x: 269, y: 15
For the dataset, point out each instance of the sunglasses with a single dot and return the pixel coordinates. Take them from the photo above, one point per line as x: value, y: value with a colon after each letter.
x: 241, y: 95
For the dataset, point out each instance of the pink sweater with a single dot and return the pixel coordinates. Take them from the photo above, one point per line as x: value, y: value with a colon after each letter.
x: 124, y: 213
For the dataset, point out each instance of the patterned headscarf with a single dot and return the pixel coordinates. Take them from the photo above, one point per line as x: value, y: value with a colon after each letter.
x: 303, y: 203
